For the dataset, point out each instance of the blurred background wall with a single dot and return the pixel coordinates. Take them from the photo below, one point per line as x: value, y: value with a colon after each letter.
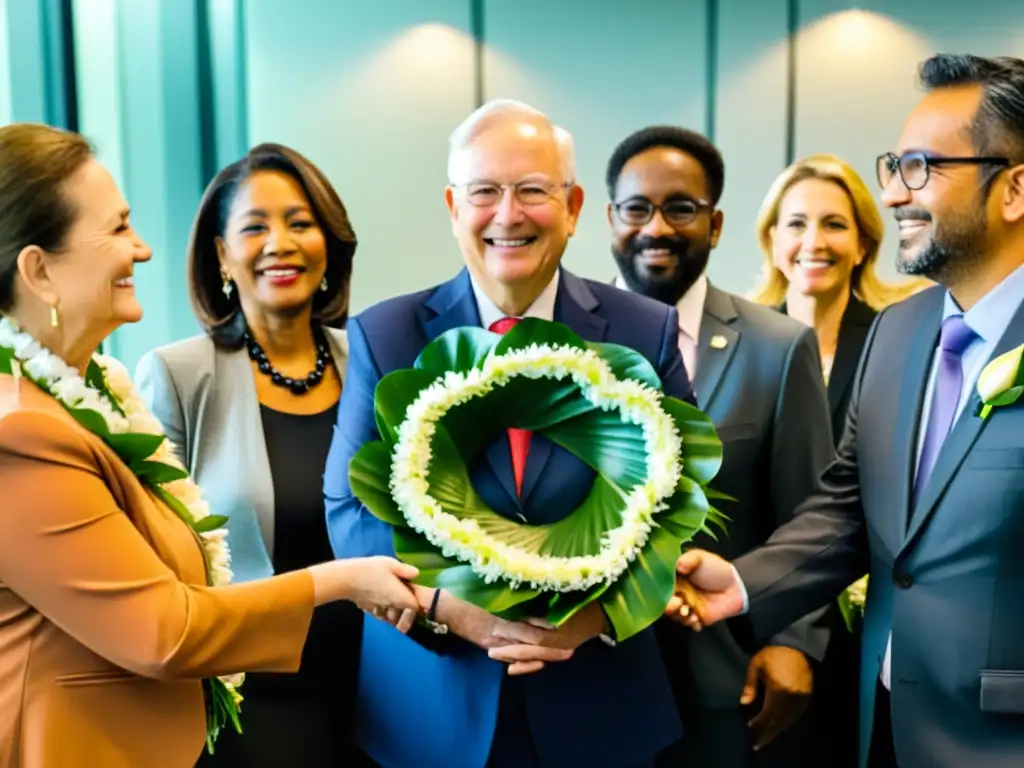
x: 171, y: 90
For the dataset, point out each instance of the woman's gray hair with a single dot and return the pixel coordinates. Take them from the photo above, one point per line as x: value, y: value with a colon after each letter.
x: 503, y: 109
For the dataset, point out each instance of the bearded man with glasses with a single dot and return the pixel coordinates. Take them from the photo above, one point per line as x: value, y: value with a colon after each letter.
x: 927, y: 492
x: 757, y: 374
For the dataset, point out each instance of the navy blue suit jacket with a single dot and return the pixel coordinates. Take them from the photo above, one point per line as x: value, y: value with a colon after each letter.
x: 429, y: 701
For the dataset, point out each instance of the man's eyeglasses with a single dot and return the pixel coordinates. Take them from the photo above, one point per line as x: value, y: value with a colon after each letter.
x: 914, y: 168
x: 637, y: 211
x: 485, y: 194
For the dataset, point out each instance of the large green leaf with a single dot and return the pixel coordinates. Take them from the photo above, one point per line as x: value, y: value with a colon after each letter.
x: 414, y: 549
x: 686, y: 514
x: 131, y: 447
x: 98, y: 426
x: 580, y: 532
x: 459, y: 349
x: 497, y: 598
x: 210, y: 523
x: 605, y: 443
x: 450, y: 485
x: 1009, y: 397
x: 640, y: 595
x: 627, y: 363
x: 531, y: 330
x: 702, y: 448
x: 564, y: 605
x: 369, y: 474
x: 537, y: 403
x: 157, y: 473
x: 94, y: 378
x: 393, y: 396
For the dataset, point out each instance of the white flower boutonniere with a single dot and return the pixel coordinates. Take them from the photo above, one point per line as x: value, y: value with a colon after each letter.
x: 1001, y: 382
x: 852, y: 602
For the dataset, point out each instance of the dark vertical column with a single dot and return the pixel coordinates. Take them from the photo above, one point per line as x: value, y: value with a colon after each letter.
x: 204, y: 88
x: 62, y: 27
x: 792, y: 30
x: 476, y: 20
x: 711, y: 68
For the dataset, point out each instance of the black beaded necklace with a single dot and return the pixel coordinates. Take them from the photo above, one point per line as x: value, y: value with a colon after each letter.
x: 297, y: 386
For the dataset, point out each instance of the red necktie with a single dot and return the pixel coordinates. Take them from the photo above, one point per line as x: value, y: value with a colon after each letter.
x: 518, y: 439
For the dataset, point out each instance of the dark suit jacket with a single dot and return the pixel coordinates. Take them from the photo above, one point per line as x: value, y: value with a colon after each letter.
x: 761, y: 384
x: 853, y: 332
x: 438, y: 706
x: 946, y: 572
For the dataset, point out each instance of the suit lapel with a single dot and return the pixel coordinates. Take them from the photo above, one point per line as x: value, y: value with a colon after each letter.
x: 337, y: 340
x: 714, y: 358
x: 576, y: 307
x: 853, y: 330
x: 242, y: 420
x: 915, y: 380
x: 961, y: 439
x: 453, y: 305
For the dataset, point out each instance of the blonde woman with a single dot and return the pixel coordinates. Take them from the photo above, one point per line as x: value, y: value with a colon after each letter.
x: 820, y: 231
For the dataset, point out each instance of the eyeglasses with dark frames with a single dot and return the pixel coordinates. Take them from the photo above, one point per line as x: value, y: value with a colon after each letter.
x: 914, y: 168
x: 677, y: 212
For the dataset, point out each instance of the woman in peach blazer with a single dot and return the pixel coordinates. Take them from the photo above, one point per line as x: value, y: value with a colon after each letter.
x: 107, y: 625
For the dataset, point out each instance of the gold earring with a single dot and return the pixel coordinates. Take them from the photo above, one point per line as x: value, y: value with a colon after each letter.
x: 54, y: 316
x: 228, y: 287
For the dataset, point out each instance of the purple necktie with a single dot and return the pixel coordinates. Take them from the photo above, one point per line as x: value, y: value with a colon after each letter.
x: 954, y: 338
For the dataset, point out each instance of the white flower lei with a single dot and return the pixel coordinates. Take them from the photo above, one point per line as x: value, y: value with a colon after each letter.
x: 73, y: 391
x: 492, y: 558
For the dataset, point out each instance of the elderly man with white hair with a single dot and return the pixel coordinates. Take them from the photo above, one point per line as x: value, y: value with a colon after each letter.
x: 488, y: 692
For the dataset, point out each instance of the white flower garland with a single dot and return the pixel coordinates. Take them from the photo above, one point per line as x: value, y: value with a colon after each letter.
x: 492, y: 558
x: 72, y: 390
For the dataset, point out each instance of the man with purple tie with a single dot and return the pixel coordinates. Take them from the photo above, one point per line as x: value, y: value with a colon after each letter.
x: 488, y: 692
x: 927, y: 491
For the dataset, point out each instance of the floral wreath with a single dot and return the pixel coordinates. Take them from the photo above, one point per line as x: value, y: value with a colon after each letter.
x: 653, y: 455
x: 105, y: 402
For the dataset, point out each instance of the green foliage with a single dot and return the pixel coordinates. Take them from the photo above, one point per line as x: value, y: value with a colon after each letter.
x: 615, y: 449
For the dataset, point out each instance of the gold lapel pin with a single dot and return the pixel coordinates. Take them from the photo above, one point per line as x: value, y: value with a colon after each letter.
x: 718, y: 342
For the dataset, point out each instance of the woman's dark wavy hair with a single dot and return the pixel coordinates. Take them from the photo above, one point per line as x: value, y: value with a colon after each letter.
x: 221, y: 316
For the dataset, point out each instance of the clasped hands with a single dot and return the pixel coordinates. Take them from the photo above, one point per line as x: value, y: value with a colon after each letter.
x: 707, y: 591
x: 525, y: 646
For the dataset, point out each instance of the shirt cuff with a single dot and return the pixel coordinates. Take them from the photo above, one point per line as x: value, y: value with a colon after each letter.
x: 743, y: 591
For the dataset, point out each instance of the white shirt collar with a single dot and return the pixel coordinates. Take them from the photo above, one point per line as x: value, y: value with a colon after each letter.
x: 543, y: 306
x: 690, y: 307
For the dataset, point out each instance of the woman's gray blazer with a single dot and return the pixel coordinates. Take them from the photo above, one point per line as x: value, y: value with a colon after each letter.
x: 205, y: 397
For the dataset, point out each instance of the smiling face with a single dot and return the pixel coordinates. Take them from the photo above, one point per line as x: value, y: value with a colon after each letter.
x: 90, y: 280
x: 815, y: 242
x: 665, y: 256
x: 273, y: 248
x: 944, y: 226
x: 513, y: 241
